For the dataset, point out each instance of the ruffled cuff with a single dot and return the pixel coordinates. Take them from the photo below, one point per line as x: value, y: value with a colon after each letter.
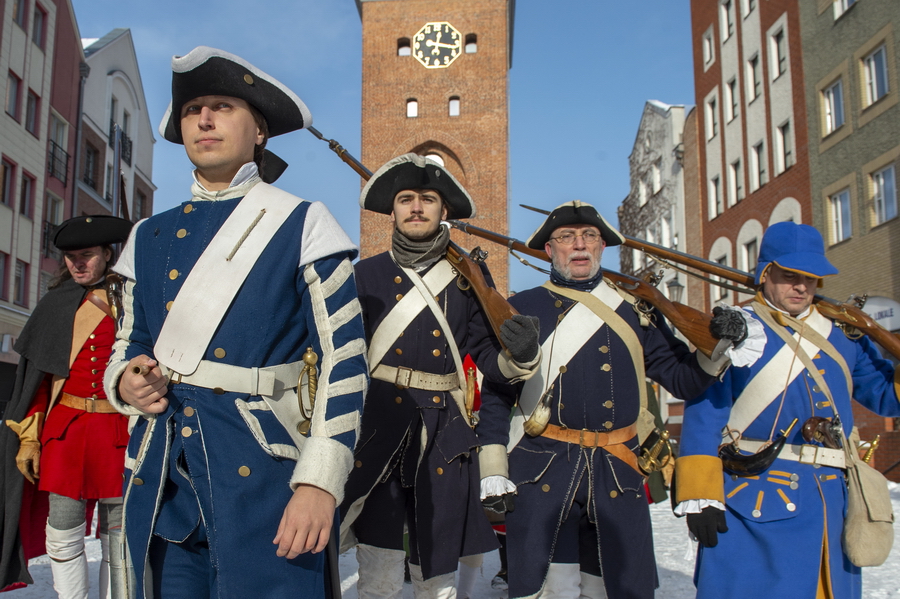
x: 695, y: 506
x: 748, y: 351
x: 496, y: 486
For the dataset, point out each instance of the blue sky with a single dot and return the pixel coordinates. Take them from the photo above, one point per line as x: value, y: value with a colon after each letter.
x: 582, y: 70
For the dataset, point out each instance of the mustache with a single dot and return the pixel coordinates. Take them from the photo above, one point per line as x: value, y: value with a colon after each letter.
x: 581, y: 256
x: 415, y: 218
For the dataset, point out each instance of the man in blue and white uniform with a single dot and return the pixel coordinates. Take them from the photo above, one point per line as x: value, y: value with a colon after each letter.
x: 416, y: 466
x: 776, y: 532
x: 581, y: 524
x: 233, y: 472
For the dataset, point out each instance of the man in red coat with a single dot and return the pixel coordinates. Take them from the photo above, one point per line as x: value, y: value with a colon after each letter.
x: 71, y: 441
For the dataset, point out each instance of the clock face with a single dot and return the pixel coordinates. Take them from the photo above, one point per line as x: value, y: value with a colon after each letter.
x: 437, y: 45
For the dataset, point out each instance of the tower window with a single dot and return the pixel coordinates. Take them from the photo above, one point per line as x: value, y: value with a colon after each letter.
x: 471, y: 43
x: 412, y: 108
x: 403, y: 47
x: 454, y: 106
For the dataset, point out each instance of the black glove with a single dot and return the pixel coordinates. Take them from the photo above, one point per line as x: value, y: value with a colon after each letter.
x: 728, y: 324
x: 705, y: 525
x: 502, y: 504
x: 520, y: 336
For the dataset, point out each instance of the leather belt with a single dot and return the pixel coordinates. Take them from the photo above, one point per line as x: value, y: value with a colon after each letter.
x: 237, y: 379
x: 590, y: 439
x: 88, y: 404
x: 805, y: 454
x: 406, y: 378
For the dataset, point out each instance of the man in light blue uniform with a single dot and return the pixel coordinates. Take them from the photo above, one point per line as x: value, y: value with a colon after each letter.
x: 777, y: 533
x: 232, y: 473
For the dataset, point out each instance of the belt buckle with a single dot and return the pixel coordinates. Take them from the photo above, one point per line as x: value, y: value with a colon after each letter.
x: 89, y: 406
x: 407, y: 376
x: 596, y: 439
x: 172, y: 378
x: 808, y: 454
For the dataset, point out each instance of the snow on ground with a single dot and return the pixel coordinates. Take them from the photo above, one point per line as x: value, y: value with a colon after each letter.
x: 670, y: 540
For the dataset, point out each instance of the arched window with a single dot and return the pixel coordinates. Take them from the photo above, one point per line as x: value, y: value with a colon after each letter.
x: 412, y: 108
x: 454, y: 106
x: 403, y: 47
x: 471, y: 43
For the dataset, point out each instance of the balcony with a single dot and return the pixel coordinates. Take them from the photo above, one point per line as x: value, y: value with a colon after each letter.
x: 126, y: 142
x: 58, y: 162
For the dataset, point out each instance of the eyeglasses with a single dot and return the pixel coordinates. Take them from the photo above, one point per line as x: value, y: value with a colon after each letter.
x: 589, y: 237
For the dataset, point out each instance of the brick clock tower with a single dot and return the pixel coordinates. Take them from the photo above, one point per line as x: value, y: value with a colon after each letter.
x: 435, y: 82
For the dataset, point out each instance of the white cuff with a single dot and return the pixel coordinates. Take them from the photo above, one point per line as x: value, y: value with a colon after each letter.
x: 496, y: 486
x: 751, y: 348
x: 695, y: 506
x: 323, y: 463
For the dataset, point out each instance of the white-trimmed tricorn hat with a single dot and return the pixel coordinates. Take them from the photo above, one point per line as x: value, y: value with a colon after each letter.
x: 206, y: 71
x: 571, y: 213
x: 411, y: 171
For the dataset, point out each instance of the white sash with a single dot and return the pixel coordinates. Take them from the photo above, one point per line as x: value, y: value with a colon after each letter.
x: 217, y: 276
x: 772, y: 380
x: 573, y: 331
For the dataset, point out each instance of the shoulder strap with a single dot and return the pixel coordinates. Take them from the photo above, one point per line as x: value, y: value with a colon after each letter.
x: 223, y: 266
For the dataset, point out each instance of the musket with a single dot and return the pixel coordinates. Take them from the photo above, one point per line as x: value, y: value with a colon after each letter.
x: 692, y: 323
x: 495, y: 305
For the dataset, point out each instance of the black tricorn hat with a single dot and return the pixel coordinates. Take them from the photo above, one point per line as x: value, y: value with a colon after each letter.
x: 571, y: 213
x: 89, y: 231
x: 411, y: 171
x: 206, y: 71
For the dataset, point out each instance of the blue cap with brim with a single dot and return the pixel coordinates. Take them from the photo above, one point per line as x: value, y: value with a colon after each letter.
x: 794, y: 247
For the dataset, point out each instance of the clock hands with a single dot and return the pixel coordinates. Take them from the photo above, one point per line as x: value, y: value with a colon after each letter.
x: 437, y: 44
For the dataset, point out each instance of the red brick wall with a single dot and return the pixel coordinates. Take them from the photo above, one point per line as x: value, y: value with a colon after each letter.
x: 474, y: 144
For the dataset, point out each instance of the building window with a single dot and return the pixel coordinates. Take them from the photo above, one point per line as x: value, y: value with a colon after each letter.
x: 841, y: 6
x: 758, y: 157
x: 785, y: 148
x: 13, y: 85
x: 412, y: 108
x: 716, y: 205
x: 19, y: 16
x: 709, y: 49
x: 749, y: 6
x: 720, y: 293
x: 833, y: 101
x: 26, y: 195
x: 656, y: 176
x: 91, y: 159
x: 754, y: 78
x: 727, y: 19
x: 779, y: 53
x: 471, y: 43
x: 20, y: 289
x: 403, y: 48
x: 453, y: 108
x: 4, y: 269
x: 731, y: 91
x: 38, y: 26
x: 751, y: 256
x: 54, y: 210
x: 7, y: 172
x: 884, y: 184
x: 665, y: 230
x: 737, y: 182
x: 110, y: 183
x: 840, y: 216
x: 875, y: 67
x: 140, y: 202
x: 642, y: 192
x: 32, y: 113
x: 712, y: 119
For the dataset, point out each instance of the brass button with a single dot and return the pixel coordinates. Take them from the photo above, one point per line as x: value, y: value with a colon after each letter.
x: 186, y: 431
x: 562, y: 369
x: 181, y: 233
x: 561, y: 316
x: 219, y: 391
x: 613, y: 494
x: 88, y: 220
x: 248, y: 79
x: 94, y: 396
x: 398, y: 400
x: 399, y: 297
x: 93, y: 348
x: 169, y: 305
x: 607, y: 404
x: 92, y: 336
x: 94, y: 385
x: 607, y: 424
x: 436, y: 353
x: 94, y: 371
x: 437, y: 298
x: 398, y: 279
x: 244, y: 471
x: 189, y: 411
x: 561, y: 406
x: 173, y: 274
x: 604, y: 349
x: 398, y: 351
x: 606, y: 368
x: 219, y: 353
x: 436, y: 399
x: 558, y: 304
x: 358, y: 464
x: 137, y: 481
x: 440, y: 470
x: 94, y: 359
x: 545, y: 488
x: 436, y: 332
x: 188, y: 208
x: 401, y: 333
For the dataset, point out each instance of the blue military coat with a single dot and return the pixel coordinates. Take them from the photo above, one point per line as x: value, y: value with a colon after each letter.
x: 223, y: 458
x: 599, y: 392
x: 781, y: 523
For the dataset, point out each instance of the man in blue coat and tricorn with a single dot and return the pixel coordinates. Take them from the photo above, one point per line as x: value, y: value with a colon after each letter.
x: 761, y: 476
x: 231, y: 300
